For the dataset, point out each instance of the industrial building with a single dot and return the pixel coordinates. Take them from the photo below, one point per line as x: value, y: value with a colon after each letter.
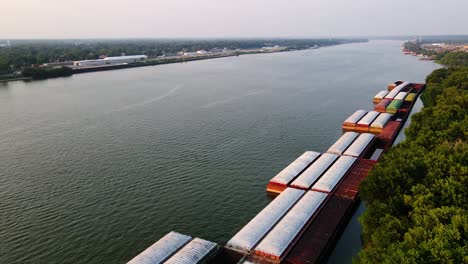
x: 111, y: 61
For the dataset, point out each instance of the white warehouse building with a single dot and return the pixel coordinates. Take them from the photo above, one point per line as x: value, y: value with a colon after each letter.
x: 111, y: 61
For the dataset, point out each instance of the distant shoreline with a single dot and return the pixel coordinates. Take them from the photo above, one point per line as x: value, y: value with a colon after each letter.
x: 170, y: 60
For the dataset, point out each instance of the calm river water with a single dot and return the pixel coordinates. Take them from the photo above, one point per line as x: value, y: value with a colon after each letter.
x: 96, y: 167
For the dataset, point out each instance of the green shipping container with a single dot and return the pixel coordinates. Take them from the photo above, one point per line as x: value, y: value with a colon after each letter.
x: 393, y: 107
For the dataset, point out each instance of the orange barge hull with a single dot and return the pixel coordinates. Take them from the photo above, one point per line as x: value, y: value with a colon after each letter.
x: 361, y: 128
x: 348, y: 126
x: 274, y: 187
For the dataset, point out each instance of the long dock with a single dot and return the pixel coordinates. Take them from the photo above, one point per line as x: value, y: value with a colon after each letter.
x: 317, y: 195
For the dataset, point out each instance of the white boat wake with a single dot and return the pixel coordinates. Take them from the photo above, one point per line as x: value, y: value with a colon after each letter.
x: 227, y: 100
x: 149, y: 101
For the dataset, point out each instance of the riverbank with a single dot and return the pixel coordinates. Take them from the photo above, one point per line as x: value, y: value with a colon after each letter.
x: 42, y: 73
x: 424, y: 216
x: 16, y: 79
x: 167, y: 60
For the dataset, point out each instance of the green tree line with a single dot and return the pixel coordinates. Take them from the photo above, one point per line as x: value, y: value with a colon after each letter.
x: 24, y: 53
x: 416, y: 196
x: 458, y: 58
x: 44, y: 73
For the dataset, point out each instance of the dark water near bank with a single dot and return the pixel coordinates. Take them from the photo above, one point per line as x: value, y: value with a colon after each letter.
x: 96, y: 167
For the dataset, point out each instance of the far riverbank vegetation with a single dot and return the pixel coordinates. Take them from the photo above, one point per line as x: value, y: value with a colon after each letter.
x: 18, y: 56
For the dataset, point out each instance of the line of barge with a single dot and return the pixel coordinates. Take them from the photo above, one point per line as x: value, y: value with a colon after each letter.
x: 317, y: 195
x: 368, y: 135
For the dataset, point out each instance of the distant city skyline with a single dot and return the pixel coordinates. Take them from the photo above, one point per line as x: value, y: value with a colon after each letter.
x: 229, y: 19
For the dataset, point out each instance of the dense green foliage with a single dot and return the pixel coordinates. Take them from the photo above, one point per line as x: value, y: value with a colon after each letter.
x: 4, y: 66
x: 416, y: 196
x: 442, y: 78
x: 458, y: 58
x: 24, y: 53
x: 44, y: 73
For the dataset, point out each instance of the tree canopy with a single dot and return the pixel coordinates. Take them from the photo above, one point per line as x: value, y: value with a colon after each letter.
x: 458, y: 58
x: 416, y: 196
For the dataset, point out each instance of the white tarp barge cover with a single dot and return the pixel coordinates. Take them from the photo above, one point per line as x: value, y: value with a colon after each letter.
x: 343, y: 143
x: 192, y: 253
x: 400, y: 96
x: 162, y: 249
x: 279, y: 239
x: 396, y: 90
x: 246, y: 239
x: 381, y: 95
x: 309, y: 176
x: 333, y: 175
x: 368, y: 118
x: 352, y: 119
x: 293, y: 169
x: 359, y: 145
x: 381, y: 120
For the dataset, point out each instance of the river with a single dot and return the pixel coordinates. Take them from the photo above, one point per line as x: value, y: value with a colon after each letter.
x: 96, y: 167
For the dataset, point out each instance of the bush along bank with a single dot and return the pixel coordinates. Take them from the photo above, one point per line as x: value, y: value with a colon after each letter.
x: 44, y: 73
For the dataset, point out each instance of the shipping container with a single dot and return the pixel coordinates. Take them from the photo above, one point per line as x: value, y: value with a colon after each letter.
x: 393, y: 107
x: 311, y: 174
x: 380, y: 122
x: 359, y: 146
x: 391, y: 86
x: 400, y: 96
x: 196, y: 251
x: 378, y: 97
x: 248, y: 237
x: 319, y: 238
x: 281, y: 238
x: 351, y: 121
x: 410, y: 97
x: 283, y: 178
x: 364, y: 123
x: 343, y: 143
x: 334, y: 174
x: 382, y: 106
x: 162, y: 249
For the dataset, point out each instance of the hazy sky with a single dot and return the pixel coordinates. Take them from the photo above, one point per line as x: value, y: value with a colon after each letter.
x: 233, y: 18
